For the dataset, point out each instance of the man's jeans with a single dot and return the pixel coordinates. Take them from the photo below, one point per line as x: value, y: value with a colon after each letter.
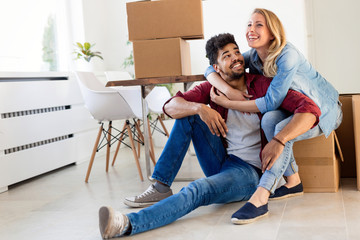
x: 228, y: 178
x: 272, y: 123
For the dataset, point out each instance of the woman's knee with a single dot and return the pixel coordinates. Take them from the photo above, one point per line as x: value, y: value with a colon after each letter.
x: 269, y: 122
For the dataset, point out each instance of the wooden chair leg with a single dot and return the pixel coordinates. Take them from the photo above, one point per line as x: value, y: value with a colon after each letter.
x: 163, y: 126
x: 108, y: 146
x: 137, y: 126
x: 118, y: 146
x: 134, y: 152
x: 152, y: 152
x: 93, y: 153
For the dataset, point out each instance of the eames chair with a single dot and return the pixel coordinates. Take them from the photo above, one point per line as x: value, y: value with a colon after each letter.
x: 107, y: 105
x: 154, y: 101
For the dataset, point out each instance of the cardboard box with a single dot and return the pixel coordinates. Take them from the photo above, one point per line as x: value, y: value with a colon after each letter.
x: 319, y: 163
x: 165, y: 19
x: 349, y: 136
x: 161, y: 58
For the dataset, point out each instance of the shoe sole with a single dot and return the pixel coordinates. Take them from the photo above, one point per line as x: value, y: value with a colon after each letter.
x: 287, y: 196
x: 105, y: 218
x: 138, y: 205
x: 246, y: 221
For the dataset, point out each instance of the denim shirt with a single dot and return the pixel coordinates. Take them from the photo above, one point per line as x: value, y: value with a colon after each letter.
x: 295, y: 72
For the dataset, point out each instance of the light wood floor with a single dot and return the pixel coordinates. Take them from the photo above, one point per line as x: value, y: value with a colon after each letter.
x: 60, y: 205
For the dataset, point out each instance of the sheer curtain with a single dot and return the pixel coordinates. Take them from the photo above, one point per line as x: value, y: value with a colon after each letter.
x: 38, y: 35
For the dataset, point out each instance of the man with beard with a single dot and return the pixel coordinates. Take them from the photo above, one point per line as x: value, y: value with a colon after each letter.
x: 227, y: 145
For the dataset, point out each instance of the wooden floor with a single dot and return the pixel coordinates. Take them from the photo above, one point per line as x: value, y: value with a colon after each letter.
x: 60, y: 205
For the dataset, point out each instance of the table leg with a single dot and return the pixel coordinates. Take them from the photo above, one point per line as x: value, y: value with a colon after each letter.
x: 146, y: 134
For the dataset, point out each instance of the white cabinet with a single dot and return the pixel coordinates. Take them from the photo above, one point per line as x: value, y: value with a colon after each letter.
x: 43, y: 126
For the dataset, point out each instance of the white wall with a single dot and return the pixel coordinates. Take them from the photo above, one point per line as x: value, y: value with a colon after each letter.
x: 334, y: 43
x: 326, y: 31
x: 232, y: 16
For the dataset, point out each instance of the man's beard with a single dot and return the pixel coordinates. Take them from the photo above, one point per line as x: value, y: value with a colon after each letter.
x: 236, y: 75
x: 233, y: 75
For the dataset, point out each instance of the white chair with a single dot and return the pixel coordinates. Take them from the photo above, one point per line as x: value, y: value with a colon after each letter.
x: 154, y: 101
x: 106, y: 105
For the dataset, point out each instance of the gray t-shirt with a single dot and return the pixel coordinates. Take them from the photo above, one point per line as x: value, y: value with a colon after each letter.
x: 243, y: 137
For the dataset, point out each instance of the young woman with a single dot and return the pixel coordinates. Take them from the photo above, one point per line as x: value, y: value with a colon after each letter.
x: 272, y: 56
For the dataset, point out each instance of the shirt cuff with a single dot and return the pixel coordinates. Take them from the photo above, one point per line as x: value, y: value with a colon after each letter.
x: 261, y: 104
x: 209, y: 70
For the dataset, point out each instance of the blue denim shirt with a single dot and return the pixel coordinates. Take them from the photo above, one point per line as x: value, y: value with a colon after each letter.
x: 295, y: 72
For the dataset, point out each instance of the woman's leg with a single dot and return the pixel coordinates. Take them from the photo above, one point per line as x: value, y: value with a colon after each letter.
x: 209, y: 149
x: 270, y: 120
x: 236, y: 182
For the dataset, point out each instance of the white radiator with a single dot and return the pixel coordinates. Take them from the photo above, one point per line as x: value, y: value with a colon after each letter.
x: 43, y: 126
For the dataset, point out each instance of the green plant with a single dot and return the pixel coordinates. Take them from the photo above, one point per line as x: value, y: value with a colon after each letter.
x: 50, y: 44
x: 128, y: 61
x: 84, y: 51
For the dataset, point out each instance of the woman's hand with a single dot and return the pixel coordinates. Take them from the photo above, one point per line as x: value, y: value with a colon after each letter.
x: 237, y: 95
x: 219, y: 98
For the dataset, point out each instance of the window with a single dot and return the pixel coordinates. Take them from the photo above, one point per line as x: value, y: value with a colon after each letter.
x: 35, y: 36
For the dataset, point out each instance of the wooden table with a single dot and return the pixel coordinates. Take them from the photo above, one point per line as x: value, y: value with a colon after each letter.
x: 143, y: 82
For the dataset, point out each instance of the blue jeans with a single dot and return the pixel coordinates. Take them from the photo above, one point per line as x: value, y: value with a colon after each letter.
x: 228, y: 178
x: 272, y: 123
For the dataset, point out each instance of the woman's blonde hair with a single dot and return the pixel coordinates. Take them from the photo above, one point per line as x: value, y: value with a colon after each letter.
x: 277, y: 30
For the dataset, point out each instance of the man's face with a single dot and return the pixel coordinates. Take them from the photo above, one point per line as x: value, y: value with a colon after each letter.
x: 230, y: 63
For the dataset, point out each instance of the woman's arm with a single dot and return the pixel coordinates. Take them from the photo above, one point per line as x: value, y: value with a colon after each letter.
x: 215, y: 79
x: 287, y: 66
x: 243, y: 106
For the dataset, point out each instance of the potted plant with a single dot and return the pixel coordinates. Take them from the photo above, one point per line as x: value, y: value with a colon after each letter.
x: 83, y: 51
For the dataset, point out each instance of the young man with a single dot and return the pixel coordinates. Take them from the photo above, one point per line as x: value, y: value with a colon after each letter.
x: 227, y: 144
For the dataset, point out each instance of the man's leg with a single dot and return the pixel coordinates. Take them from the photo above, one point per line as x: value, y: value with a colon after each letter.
x: 209, y: 150
x: 236, y: 182
x: 208, y: 147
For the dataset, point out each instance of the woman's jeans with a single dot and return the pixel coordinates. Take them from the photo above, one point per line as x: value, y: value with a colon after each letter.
x: 228, y: 178
x: 272, y: 123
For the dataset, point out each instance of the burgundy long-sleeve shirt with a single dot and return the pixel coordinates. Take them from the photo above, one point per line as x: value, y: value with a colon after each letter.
x: 257, y: 85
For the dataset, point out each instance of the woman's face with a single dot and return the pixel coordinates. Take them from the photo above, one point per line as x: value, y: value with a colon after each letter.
x: 258, y: 34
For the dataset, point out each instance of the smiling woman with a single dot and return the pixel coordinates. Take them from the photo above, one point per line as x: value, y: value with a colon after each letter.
x: 35, y: 36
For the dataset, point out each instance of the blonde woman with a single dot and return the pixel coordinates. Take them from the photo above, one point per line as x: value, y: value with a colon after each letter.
x: 271, y: 55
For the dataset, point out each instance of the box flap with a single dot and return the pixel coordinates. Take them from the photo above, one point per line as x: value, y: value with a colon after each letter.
x: 338, y: 148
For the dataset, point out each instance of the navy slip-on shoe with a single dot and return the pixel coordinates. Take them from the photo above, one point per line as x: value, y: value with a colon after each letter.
x: 284, y: 192
x: 249, y: 213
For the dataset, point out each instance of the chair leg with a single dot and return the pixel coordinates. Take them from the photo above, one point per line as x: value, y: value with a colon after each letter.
x: 137, y: 126
x: 134, y: 152
x: 152, y: 152
x: 93, y: 153
x: 118, y: 146
x: 108, y: 146
x: 163, y: 126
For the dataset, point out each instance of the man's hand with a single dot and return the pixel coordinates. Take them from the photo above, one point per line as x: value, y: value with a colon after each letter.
x: 270, y: 154
x: 213, y: 120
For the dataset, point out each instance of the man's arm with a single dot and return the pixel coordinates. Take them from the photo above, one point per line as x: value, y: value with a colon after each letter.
x: 306, y: 116
x: 178, y: 107
x: 299, y: 124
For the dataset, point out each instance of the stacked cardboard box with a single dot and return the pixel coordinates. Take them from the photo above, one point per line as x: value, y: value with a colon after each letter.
x: 159, y: 30
x: 349, y: 136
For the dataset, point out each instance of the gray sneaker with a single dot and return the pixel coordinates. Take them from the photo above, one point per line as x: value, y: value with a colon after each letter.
x: 112, y: 224
x: 147, y: 198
